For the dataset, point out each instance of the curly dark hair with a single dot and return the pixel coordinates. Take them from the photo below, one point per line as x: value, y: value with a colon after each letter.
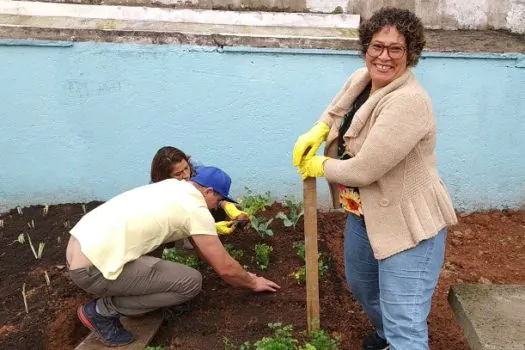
x: 406, y: 23
x: 163, y: 162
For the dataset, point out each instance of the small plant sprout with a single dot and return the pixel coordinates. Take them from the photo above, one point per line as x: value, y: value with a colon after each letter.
x: 21, y: 239
x: 262, y: 255
x: 234, y: 253
x: 31, y: 224
x: 25, y: 297
x: 178, y: 256
x: 19, y: 210
x: 84, y: 208
x: 46, y: 276
x: 300, y: 274
x: 262, y: 227
x: 41, y: 246
x: 296, y: 211
x: 45, y: 210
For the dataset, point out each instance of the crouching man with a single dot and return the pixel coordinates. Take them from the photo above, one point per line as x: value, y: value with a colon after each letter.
x: 107, y: 251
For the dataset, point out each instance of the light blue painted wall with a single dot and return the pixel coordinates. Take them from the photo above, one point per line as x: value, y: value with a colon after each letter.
x: 82, y: 122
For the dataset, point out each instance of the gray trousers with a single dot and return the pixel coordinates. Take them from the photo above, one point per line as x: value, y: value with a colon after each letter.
x: 144, y: 285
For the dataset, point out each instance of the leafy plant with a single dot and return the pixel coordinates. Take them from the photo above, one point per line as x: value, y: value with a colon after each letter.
x: 300, y: 274
x: 154, y: 348
x: 176, y: 255
x: 320, y: 339
x: 262, y: 255
x: 252, y: 203
x: 281, y: 340
x: 296, y: 211
x: 234, y: 253
x: 261, y: 226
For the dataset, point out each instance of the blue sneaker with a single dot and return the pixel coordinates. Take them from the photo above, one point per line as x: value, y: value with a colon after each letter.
x: 109, y: 330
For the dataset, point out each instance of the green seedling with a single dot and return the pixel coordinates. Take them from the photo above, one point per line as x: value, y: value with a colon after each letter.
x: 25, y: 297
x: 281, y: 339
x: 261, y: 226
x: 176, y: 255
x: 45, y: 210
x: 46, y: 277
x: 320, y: 339
x: 234, y: 253
x: 31, y: 224
x: 154, y: 348
x: 296, y: 211
x: 253, y: 203
x: 19, y: 210
x: 300, y: 274
x: 262, y: 255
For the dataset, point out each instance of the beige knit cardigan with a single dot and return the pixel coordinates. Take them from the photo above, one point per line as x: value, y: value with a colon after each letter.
x: 392, y: 139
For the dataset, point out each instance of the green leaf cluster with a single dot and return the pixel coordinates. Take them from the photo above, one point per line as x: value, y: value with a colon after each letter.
x: 262, y: 255
x: 261, y: 226
x: 253, y: 203
x: 178, y: 256
x: 300, y: 274
x: 234, y: 253
x: 296, y: 211
x: 282, y: 339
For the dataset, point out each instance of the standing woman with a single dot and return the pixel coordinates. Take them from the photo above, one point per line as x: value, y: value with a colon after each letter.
x: 380, y: 161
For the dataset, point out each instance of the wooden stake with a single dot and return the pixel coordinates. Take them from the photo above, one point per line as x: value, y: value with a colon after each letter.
x: 311, y: 253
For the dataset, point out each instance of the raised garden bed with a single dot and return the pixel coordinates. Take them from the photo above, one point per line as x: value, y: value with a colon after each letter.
x: 484, y: 247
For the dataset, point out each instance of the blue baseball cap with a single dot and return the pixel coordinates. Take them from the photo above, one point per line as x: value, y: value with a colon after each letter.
x: 209, y: 176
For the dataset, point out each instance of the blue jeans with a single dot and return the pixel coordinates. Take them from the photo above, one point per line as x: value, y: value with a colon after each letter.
x: 396, y: 292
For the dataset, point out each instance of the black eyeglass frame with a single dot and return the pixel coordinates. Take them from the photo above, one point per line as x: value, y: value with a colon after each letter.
x: 387, y: 47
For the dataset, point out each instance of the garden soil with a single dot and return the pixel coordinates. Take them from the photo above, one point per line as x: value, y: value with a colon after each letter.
x: 486, y: 247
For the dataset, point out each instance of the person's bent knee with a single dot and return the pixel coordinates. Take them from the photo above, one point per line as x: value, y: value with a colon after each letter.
x: 193, y: 284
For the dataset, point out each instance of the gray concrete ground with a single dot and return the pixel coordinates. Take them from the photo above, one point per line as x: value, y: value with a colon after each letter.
x: 492, y: 316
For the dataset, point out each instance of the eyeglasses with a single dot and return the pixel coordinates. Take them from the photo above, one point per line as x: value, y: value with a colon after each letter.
x: 394, y: 51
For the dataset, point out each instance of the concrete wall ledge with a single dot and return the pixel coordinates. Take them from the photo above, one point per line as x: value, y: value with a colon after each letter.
x: 492, y: 316
x: 189, y: 26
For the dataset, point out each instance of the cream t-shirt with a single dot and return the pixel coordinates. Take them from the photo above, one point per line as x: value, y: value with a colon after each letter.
x: 136, y: 222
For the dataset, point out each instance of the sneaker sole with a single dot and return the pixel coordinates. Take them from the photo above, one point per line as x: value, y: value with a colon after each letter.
x: 85, y: 322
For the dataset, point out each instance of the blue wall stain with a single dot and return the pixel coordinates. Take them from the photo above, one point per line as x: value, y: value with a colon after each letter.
x: 82, y: 122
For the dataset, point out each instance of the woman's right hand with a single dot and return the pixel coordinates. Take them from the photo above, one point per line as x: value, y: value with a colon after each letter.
x: 309, y: 143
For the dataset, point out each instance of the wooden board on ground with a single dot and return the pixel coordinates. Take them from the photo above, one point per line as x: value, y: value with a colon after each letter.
x: 143, y: 329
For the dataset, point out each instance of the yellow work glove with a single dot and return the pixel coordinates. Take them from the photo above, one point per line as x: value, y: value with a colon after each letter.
x: 225, y: 227
x: 309, y: 142
x: 233, y: 213
x: 312, y: 167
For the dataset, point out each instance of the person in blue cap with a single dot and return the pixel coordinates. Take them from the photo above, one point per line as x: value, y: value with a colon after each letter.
x: 108, y: 247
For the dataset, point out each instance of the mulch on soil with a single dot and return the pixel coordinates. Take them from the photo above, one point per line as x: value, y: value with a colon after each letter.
x: 486, y: 247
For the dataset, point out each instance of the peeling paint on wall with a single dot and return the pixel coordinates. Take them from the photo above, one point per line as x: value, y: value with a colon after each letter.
x: 327, y: 6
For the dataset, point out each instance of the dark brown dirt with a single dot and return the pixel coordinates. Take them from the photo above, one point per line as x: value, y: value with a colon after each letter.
x: 486, y: 247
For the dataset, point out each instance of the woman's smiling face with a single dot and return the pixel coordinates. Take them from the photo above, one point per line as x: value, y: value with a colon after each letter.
x: 384, y: 69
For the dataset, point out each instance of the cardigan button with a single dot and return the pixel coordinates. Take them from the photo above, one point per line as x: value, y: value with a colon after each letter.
x: 384, y: 202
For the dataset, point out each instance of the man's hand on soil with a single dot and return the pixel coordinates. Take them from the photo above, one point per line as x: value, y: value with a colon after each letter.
x: 264, y: 285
